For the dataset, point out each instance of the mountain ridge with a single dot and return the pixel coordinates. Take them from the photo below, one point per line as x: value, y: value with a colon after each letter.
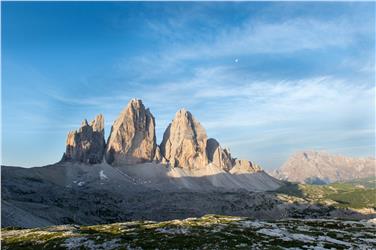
x: 320, y: 167
x: 130, y: 177
x: 132, y: 140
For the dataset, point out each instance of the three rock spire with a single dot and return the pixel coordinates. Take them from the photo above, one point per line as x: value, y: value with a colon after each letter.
x: 132, y: 140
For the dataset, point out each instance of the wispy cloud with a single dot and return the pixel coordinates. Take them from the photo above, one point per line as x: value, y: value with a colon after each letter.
x: 233, y: 100
x: 251, y: 37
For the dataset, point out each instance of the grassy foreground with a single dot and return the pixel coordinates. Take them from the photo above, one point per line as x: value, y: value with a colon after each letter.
x: 207, y: 232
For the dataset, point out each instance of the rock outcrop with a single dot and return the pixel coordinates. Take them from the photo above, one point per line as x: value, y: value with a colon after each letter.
x: 132, y: 139
x: 321, y: 168
x: 185, y: 145
x: 184, y: 142
x: 244, y: 166
x: 86, y: 144
x: 218, y: 156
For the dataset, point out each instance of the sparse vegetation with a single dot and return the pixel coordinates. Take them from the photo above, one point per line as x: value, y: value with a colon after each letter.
x: 207, y: 232
x: 355, y: 194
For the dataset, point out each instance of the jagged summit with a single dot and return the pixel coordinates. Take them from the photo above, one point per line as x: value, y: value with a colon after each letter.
x: 132, y: 139
x: 219, y: 156
x: 87, y: 143
x: 185, y: 145
x: 184, y: 142
x: 98, y: 123
x: 84, y: 123
x: 138, y: 180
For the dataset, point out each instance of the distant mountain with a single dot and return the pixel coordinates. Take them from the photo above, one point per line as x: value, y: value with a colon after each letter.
x: 321, y: 168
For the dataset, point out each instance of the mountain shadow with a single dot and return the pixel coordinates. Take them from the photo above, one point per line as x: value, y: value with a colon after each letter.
x: 55, y: 195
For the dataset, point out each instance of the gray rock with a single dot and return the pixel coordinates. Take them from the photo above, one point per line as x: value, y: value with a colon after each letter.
x: 184, y: 142
x: 87, y: 143
x: 132, y: 138
x: 218, y: 156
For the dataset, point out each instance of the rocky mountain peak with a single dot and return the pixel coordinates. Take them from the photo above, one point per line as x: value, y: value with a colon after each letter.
x: 218, y: 156
x: 98, y: 123
x: 132, y: 139
x: 319, y: 167
x: 87, y: 143
x: 184, y: 142
x: 135, y: 105
x: 84, y: 123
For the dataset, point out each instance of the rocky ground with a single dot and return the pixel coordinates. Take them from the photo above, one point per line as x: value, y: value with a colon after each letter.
x: 101, y: 194
x: 207, y: 232
x: 96, y: 194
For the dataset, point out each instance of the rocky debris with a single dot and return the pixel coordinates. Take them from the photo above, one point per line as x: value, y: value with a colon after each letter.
x: 184, y: 142
x: 322, y: 168
x: 218, y: 156
x: 87, y: 143
x: 132, y: 139
x: 244, y: 166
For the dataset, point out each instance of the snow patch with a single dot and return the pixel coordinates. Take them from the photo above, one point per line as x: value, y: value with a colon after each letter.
x: 102, y: 176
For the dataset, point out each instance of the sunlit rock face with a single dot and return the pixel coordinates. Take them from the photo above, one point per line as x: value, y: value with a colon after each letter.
x: 218, y: 156
x: 132, y: 139
x: 86, y: 144
x: 244, y: 166
x: 320, y: 167
x: 185, y: 145
x: 184, y: 142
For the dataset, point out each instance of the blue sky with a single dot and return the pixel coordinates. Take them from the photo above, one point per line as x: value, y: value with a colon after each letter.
x: 264, y: 79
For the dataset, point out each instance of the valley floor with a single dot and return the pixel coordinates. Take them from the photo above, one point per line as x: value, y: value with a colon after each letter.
x: 207, y: 232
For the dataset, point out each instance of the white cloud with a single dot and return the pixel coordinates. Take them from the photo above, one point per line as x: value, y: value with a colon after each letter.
x: 224, y: 99
x: 251, y: 37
